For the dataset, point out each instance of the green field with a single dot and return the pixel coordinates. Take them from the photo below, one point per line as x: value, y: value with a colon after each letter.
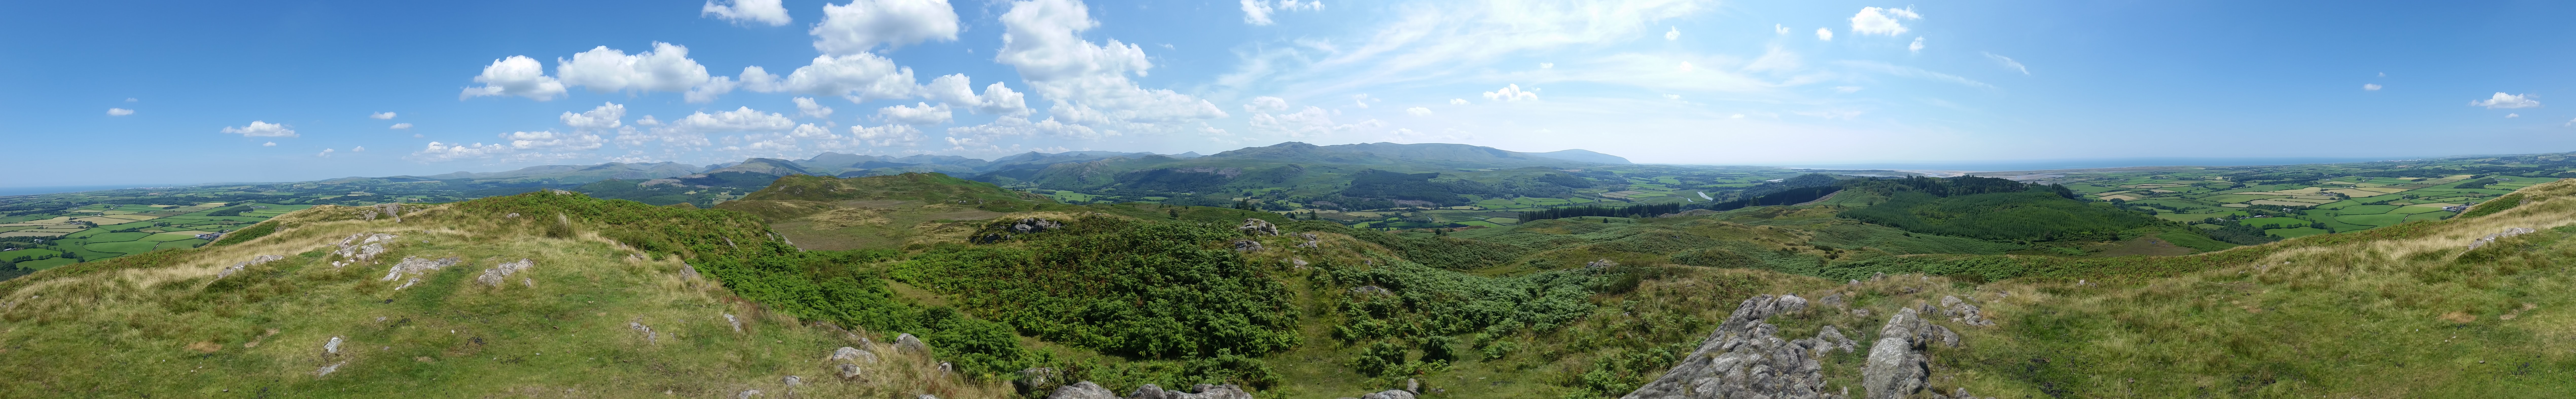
x: 2375, y: 220
x: 2365, y: 209
x: 167, y: 237
x: 2295, y: 232
x: 2238, y: 198
x: 114, y: 237
x: 123, y: 247
x: 181, y: 244
x: 2275, y: 222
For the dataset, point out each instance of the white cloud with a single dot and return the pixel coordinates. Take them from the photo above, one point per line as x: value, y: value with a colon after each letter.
x: 1735, y: 116
x: 1257, y: 12
x: 261, y: 129
x: 647, y: 120
x: 442, y: 152
x: 666, y: 68
x: 358, y: 149
x: 606, y: 116
x: 1779, y: 29
x: 551, y: 141
x: 2502, y: 100
x: 1917, y: 46
x: 1847, y: 89
x: 515, y: 76
x: 2508, y: 102
x: 1511, y: 93
x: 1685, y: 67
x: 2370, y: 87
x: 2008, y: 62
x: 742, y: 119
x: 861, y: 77
x: 132, y: 99
x: 119, y: 112
x: 1362, y: 100
x: 920, y: 114
x: 326, y: 153
x: 1672, y: 96
x: 2570, y: 123
x: 1824, y: 34
x: 1012, y: 126
x: 2512, y: 115
x: 1266, y: 104
x: 862, y: 25
x: 1418, y: 111
x: 269, y: 144
x: 887, y: 135
x: 381, y: 115
x: 809, y: 108
x: 1457, y: 101
x: 955, y: 90
x: 1547, y: 65
x: 1088, y: 82
x: 1675, y: 34
x: 400, y: 126
x: 1881, y: 21
x: 768, y: 12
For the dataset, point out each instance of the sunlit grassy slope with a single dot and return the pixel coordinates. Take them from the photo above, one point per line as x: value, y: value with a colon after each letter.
x: 164, y: 325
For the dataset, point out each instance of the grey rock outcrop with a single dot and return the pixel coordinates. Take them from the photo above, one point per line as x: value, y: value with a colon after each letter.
x: 1033, y: 225
x: 1089, y: 390
x: 1034, y: 378
x: 1312, y: 241
x: 912, y: 344
x: 1258, y: 227
x: 501, y: 272
x: 1897, y: 367
x: 254, y: 261
x: 1962, y: 312
x: 1745, y: 358
x: 1600, y: 264
x: 1388, y: 394
x: 850, y: 354
x: 1247, y: 245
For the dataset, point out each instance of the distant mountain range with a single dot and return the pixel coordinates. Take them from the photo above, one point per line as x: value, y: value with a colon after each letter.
x: 1026, y: 165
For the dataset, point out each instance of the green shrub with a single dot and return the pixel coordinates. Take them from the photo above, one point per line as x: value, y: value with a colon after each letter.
x: 1119, y: 286
x: 2508, y: 201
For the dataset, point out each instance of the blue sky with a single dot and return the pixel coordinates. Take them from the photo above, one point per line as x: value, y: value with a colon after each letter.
x: 185, y: 92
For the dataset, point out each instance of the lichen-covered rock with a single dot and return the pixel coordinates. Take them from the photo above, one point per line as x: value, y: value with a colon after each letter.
x: 1082, y: 390
x: 1204, y: 391
x: 254, y: 261
x: 501, y: 272
x: 1247, y: 246
x: 1745, y: 358
x: 1033, y: 379
x: 1962, y: 312
x: 414, y: 266
x: 854, y: 355
x: 1600, y: 264
x: 1033, y: 225
x: 1312, y: 241
x: 1388, y: 394
x: 363, y: 246
x: 332, y: 347
x: 1258, y: 227
x: 911, y: 344
x: 1897, y: 367
x: 737, y: 327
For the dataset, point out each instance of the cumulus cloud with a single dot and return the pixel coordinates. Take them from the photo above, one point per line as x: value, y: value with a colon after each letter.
x: 268, y: 144
x: 1011, y: 126
x: 920, y: 114
x: 1881, y: 21
x: 738, y: 120
x: 551, y: 141
x: 887, y: 135
x: 666, y: 68
x: 1266, y: 104
x: 1457, y: 101
x: 400, y: 126
x: 861, y: 77
x: 326, y: 153
x: 1675, y: 34
x: 1547, y: 65
x: 2502, y: 100
x: 1514, y: 92
x: 606, y: 116
x: 745, y: 12
x: 119, y: 112
x: 2008, y: 62
x: 1779, y: 29
x: 515, y: 76
x: 1257, y: 12
x: 381, y: 115
x: 2370, y: 87
x: 261, y: 129
x: 358, y: 149
x: 1362, y: 99
x: 957, y: 90
x: 443, y: 152
x: 862, y: 25
x: 809, y: 108
x: 2512, y: 115
x: 1917, y: 46
x: 1418, y: 111
x: 1088, y: 82
x: 1824, y: 34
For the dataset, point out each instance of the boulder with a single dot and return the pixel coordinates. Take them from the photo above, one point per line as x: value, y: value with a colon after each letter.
x: 1247, y: 246
x: 1963, y: 313
x: 792, y: 381
x: 1897, y: 367
x: 1388, y: 394
x: 1312, y: 241
x: 911, y: 344
x: 737, y: 327
x: 1744, y: 358
x: 847, y: 371
x: 1204, y: 391
x: 501, y: 272
x: 1033, y: 379
x: 1258, y: 227
x: 1082, y: 390
x: 1033, y: 225
x: 1600, y: 264
x: 853, y: 355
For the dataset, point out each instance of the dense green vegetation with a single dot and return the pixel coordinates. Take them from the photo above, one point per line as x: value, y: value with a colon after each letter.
x: 1119, y: 286
x: 2009, y: 216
